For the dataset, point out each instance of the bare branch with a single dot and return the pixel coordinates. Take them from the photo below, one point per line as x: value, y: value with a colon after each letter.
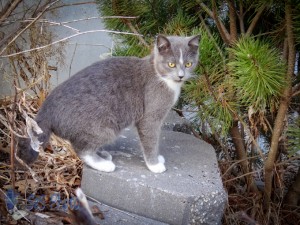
x: 132, y: 28
x: 244, y: 175
x: 241, y: 17
x: 61, y: 24
x: 283, y: 107
x: 296, y: 90
x: 101, y: 17
x: 66, y: 38
x: 73, y: 4
x: 255, y: 20
x: 232, y: 21
x: 29, y: 25
x: 8, y: 8
x: 213, y: 14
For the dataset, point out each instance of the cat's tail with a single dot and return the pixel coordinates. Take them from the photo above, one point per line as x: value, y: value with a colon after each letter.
x: 28, y: 148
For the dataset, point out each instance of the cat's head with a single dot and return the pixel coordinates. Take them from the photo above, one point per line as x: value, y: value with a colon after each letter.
x: 175, y: 57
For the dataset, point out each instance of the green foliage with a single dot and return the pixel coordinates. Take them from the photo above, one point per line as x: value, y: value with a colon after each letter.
x: 151, y: 18
x: 131, y: 48
x: 211, y: 51
x: 180, y: 24
x: 258, y: 72
x: 209, y: 91
x: 228, y: 81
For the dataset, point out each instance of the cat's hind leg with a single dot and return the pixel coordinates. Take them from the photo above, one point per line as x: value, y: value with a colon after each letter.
x: 88, y: 144
x: 92, y: 159
x: 104, y: 154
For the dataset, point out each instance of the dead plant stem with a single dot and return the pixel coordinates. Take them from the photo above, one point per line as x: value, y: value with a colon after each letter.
x: 65, y: 39
x: 243, y: 175
x: 29, y: 25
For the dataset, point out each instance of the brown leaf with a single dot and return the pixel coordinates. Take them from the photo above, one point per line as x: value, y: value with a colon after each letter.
x: 23, y: 185
x: 97, y: 212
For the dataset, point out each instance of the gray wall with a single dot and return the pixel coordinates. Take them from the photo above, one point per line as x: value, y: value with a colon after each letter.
x: 85, y: 49
x: 80, y: 51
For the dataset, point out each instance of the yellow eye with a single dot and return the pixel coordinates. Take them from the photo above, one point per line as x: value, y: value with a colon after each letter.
x: 172, y: 65
x: 188, y: 64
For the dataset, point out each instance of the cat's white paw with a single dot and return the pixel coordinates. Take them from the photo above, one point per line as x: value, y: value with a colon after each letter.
x: 103, y: 165
x: 159, y: 167
x: 161, y: 159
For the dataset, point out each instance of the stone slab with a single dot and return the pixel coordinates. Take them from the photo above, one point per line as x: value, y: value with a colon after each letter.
x: 173, y: 122
x: 189, y: 192
x: 113, y: 216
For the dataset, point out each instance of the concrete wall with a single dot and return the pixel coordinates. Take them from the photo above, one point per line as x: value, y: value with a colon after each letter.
x: 80, y: 51
x: 85, y: 49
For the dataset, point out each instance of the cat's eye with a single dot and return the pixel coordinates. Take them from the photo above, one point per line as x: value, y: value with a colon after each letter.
x: 172, y: 65
x: 188, y: 64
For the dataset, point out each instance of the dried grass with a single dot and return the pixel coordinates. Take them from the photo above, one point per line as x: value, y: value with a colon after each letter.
x: 245, y: 207
x: 58, y: 169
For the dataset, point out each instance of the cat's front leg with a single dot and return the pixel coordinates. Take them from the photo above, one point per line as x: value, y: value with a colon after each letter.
x: 159, y: 167
x: 149, y: 135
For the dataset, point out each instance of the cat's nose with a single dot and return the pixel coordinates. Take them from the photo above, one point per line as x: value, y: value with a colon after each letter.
x: 180, y: 74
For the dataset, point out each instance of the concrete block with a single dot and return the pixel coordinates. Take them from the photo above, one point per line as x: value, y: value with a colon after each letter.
x: 113, y: 216
x: 173, y: 122
x: 189, y: 192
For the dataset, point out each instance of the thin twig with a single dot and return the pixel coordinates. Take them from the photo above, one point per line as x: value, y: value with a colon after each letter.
x: 61, y: 24
x: 255, y: 20
x: 296, y: 93
x: 252, y: 139
x: 8, y: 9
x: 295, y: 89
x: 242, y: 215
x: 288, y: 160
x: 72, y: 4
x: 70, y: 21
x: 29, y: 25
x: 132, y: 28
x: 243, y: 175
x: 237, y: 162
x: 66, y: 38
x: 70, y: 67
x: 12, y: 139
x: 100, y: 17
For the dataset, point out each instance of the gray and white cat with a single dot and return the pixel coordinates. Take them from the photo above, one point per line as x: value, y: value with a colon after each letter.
x: 92, y: 107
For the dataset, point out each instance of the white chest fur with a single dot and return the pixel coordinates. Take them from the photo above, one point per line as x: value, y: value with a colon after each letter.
x: 175, y: 87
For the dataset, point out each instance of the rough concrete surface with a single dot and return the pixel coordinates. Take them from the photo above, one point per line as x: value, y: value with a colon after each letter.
x: 189, y: 192
x: 173, y: 122
x: 113, y: 216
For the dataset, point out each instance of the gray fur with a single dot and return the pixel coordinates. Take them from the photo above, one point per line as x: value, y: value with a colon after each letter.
x: 92, y: 107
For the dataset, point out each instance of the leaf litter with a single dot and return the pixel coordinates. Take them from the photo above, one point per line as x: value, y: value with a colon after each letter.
x: 58, y: 170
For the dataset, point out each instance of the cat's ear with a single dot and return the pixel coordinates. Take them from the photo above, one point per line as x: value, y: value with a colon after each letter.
x: 162, y: 43
x: 194, y: 41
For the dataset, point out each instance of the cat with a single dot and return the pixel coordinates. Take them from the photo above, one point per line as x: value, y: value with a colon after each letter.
x: 92, y: 107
